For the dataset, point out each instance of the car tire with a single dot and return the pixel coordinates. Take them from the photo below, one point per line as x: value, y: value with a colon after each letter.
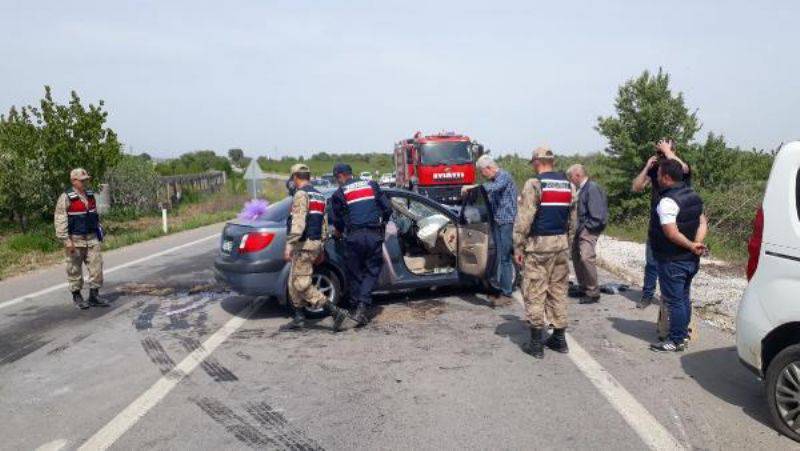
x: 783, y: 391
x: 326, y: 281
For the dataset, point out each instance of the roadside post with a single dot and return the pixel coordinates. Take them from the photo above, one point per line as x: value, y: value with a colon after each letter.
x: 253, y: 176
x: 164, y: 220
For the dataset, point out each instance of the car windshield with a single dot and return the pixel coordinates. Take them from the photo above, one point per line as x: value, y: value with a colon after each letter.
x: 445, y: 153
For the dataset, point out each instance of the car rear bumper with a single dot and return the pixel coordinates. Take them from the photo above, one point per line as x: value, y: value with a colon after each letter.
x: 254, y: 278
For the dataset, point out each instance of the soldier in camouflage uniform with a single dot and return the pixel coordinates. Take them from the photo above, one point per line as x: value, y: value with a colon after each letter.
x: 77, y: 225
x: 545, y: 220
x: 305, y: 230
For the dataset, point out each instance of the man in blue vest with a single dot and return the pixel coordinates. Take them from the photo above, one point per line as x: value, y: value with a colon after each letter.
x: 678, y: 227
x: 546, y: 218
x: 77, y: 225
x: 305, y: 232
x: 360, y: 210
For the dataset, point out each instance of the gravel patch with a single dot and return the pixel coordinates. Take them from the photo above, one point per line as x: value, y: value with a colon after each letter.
x: 716, y: 290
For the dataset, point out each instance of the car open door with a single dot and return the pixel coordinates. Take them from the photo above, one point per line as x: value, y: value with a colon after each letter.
x: 475, y: 240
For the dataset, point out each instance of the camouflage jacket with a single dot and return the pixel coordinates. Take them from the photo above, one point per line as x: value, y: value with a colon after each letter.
x: 299, y: 213
x: 528, y: 206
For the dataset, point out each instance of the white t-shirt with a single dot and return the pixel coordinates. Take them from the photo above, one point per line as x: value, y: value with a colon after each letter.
x: 667, y: 211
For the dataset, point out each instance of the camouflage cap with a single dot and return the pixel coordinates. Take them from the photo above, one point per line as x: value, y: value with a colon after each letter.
x: 543, y: 153
x: 299, y: 168
x: 79, y: 174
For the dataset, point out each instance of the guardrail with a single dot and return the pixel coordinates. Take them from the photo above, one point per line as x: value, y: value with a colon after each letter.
x: 172, y: 187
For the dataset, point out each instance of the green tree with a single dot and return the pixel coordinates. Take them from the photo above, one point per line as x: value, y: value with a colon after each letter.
x: 236, y: 155
x: 646, y: 111
x: 23, y: 191
x: 133, y: 185
x: 74, y: 135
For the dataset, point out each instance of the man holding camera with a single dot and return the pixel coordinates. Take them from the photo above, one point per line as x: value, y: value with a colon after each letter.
x: 665, y: 150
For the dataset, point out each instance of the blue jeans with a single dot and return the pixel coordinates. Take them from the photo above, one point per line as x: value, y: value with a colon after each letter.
x: 676, y: 285
x: 650, y: 273
x: 505, y: 262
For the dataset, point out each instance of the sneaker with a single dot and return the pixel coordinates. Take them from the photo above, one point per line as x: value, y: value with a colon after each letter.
x: 644, y: 302
x: 668, y: 346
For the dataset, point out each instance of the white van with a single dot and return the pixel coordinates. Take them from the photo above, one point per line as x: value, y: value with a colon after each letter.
x: 768, y: 321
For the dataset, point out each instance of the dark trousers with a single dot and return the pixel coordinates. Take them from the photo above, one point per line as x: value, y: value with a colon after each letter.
x: 650, y: 273
x: 364, y: 261
x: 675, y: 278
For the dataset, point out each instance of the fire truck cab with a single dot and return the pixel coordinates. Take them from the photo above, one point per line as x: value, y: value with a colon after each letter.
x: 437, y: 165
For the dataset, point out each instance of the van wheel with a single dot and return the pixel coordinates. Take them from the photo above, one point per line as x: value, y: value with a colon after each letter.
x: 329, y: 284
x: 783, y: 391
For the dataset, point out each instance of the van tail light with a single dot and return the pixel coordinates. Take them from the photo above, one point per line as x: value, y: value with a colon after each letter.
x: 255, y: 241
x: 754, y: 244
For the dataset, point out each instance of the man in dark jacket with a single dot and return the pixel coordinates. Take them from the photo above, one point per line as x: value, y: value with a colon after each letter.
x: 360, y: 211
x: 592, y: 217
x: 678, y: 227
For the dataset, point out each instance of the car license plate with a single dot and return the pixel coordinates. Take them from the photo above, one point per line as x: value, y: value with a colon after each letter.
x: 227, y: 246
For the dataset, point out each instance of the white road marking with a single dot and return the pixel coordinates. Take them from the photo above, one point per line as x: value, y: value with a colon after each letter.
x: 652, y: 433
x: 112, y: 431
x: 60, y: 286
x: 55, y: 445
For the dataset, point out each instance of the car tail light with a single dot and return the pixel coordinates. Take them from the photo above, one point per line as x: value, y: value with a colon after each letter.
x: 754, y: 244
x: 255, y: 241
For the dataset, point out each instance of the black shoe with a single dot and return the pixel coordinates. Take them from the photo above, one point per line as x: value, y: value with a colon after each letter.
x: 576, y: 291
x: 95, y: 300
x: 589, y: 300
x: 77, y: 298
x: 360, y: 316
x: 557, y: 341
x: 644, y: 302
x: 298, y: 322
x: 535, y: 347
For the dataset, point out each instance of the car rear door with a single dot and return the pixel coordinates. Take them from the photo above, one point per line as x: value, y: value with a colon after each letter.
x: 475, y: 234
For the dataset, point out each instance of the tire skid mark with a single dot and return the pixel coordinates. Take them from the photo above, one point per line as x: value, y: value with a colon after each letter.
x: 158, y: 355
x: 145, y: 319
x: 270, y: 430
x: 177, y: 322
x: 216, y: 370
x: 270, y: 419
x: 236, y: 424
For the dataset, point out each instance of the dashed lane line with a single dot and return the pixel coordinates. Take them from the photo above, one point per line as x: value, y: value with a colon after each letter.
x: 120, y: 424
x: 652, y: 433
x: 60, y: 286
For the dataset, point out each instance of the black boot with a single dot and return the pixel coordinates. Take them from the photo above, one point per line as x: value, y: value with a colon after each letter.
x: 77, y: 298
x: 338, y: 314
x: 557, y: 341
x: 298, y: 322
x: 535, y: 347
x: 95, y: 300
x: 360, y: 316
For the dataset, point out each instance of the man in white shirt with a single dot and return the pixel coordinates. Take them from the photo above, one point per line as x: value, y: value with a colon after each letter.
x: 678, y: 227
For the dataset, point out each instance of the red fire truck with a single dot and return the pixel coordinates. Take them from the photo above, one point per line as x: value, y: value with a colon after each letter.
x: 437, y: 165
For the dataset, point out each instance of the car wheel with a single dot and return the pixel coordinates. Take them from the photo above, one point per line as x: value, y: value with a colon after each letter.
x: 783, y: 391
x: 327, y: 282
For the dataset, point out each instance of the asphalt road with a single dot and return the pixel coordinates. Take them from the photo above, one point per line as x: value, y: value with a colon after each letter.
x: 178, y: 362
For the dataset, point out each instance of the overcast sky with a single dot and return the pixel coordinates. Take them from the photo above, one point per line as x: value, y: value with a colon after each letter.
x: 302, y: 77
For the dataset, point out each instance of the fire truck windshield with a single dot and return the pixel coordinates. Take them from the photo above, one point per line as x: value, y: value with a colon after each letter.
x: 445, y: 153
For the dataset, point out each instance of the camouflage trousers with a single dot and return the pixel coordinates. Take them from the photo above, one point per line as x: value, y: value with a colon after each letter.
x: 302, y: 291
x: 545, y: 279
x: 87, y: 253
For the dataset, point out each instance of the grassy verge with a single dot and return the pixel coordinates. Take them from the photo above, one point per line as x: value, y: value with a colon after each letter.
x: 21, y: 252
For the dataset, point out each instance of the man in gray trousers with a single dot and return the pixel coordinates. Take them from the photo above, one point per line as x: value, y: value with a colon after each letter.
x: 592, y: 217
